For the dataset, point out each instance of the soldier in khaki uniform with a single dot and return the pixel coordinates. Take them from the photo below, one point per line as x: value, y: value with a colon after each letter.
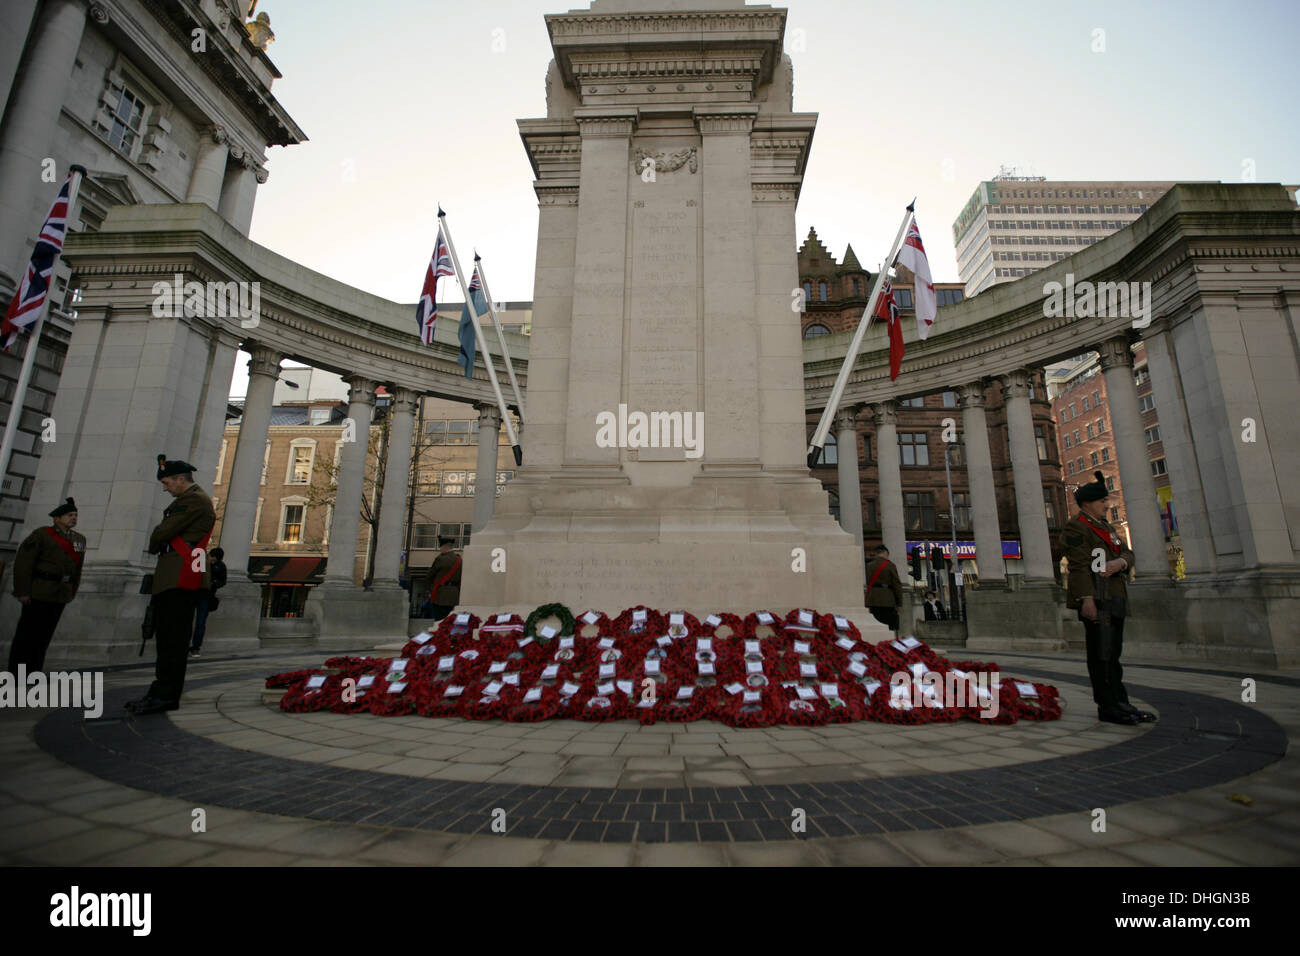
x: 180, y: 540
x: 444, y: 579
x: 47, y: 572
x: 884, y: 589
x: 1100, y: 597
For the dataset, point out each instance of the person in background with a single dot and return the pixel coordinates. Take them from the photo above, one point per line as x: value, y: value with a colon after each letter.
x: 934, y: 610
x: 47, y: 572
x: 445, y: 575
x: 884, y: 589
x: 208, y: 600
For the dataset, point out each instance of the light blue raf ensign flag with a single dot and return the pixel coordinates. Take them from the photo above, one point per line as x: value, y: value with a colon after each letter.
x: 467, y: 343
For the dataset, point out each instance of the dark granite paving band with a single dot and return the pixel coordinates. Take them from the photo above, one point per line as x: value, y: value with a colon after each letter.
x: 1199, y: 741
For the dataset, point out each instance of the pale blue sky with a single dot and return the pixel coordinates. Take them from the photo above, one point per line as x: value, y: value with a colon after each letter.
x: 409, y: 99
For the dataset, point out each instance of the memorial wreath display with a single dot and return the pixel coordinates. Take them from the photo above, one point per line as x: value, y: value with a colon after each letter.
x: 803, y: 668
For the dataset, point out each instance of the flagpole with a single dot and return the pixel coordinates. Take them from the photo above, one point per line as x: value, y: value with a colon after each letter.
x: 34, y: 337
x: 501, y: 336
x: 837, y: 392
x: 482, y: 342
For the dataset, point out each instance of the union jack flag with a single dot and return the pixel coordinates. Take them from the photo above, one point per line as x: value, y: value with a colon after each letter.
x: 887, y: 309
x: 426, y: 310
x: 28, y: 301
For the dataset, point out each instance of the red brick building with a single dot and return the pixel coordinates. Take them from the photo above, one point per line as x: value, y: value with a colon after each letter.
x: 835, y: 294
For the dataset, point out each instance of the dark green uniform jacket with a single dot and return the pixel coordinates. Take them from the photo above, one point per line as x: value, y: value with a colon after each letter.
x: 888, y: 589
x: 1078, y: 542
x: 43, y: 571
x: 448, y: 595
x: 191, y: 516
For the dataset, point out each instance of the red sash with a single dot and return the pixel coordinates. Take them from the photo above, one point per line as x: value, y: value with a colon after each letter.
x: 874, y: 576
x: 1109, y: 538
x: 189, y: 579
x: 66, y: 545
x: 446, y: 577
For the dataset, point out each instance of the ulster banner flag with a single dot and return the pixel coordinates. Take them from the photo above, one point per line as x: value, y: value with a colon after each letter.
x: 887, y: 309
x: 912, y: 255
x: 426, y: 310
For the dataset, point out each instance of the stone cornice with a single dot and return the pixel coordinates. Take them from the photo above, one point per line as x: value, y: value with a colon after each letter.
x: 735, y: 119
x: 609, y: 122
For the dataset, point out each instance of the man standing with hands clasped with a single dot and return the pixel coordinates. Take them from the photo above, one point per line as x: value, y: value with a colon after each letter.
x: 1098, y: 590
x: 180, y: 540
x: 47, y: 573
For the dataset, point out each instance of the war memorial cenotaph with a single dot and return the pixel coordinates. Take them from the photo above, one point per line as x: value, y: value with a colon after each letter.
x: 667, y: 169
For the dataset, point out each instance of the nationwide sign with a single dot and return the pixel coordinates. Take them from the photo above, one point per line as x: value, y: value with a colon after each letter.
x: 965, y: 549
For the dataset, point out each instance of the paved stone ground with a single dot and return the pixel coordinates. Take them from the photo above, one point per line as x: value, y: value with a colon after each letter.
x: 314, y: 789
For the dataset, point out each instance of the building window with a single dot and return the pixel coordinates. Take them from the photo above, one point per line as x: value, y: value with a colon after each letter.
x: 1078, y: 462
x: 1040, y: 437
x: 821, y: 290
x: 1101, y: 426
x: 1085, y: 403
x: 961, y: 509
x: 913, y: 448
x: 1110, y: 482
x: 871, y: 520
x: 950, y: 399
x: 1069, y: 467
x: 320, y: 416
x: 125, y: 119
x: 857, y: 287
x: 425, y: 536
x: 1072, y: 411
x: 1114, y: 514
x: 458, y: 433
x: 1158, y: 467
x: 1049, y: 505
x: 1076, y: 436
x: 1069, y: 442
x: 291, y: 523
x: 1096, y: 459
x: 831, y: 451
x: 1096, y: 399
x: 866, y: 448
x: 807, y: 292
x: 1153, y: 434
x: 302, y: 454
x: 459, y: 533
x: 1105, y: 454
x: 1092, y: 433
x: 815, y: 330
x: 1146, y: 403
x: 1141, y: 376
x: 1064, y: 417
x: 913, y: 402
x: 833, y: 500
x: 919, y: 508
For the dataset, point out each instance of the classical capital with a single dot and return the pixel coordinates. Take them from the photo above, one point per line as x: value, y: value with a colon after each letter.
x: 262, y: 360
x: 99, y: 13
x: 972, y: 394
x: 261, y: 174
x: 217, y: 134
x: 1116, y: 353
x: 489, y: 416
x: 1015, y: 384
x: 404, y: 399
x: 847, y: 417
x: 885, y: 413
x: 595, y: 123
x: 237, y: 152
x: 360, y: 389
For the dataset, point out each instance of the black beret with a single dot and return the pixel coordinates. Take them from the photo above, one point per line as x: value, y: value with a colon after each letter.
x: 167, y: 469
x: 68, y: 507
x: 1093, y: 490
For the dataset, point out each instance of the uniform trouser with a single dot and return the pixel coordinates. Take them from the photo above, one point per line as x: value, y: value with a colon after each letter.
x: 887, y: 616
x: 1106, y: 673
x: 201, y: 622
x: 173, y: 617
x: 442, y: 610
x: 36, y: 627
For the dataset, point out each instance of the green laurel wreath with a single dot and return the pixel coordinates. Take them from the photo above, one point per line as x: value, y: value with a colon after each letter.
x: 549, y: 610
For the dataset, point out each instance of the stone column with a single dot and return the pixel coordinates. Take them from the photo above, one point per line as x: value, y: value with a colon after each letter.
x: 1141, y: 505
x: 983, y: 498
x: 893, y: 528
x: 485, y: 480
x: 733, y: 372
x: 209, y: 168
x: 351, y: 480
x: 29, y: 125
x: 239, y: 190
x: 1180, y: 451
x: 397, y: 481
x: 19, y: 13
x: 250, y: 453
x: 596, y: 333
x: 1035, y: 542
x: 846, y: 438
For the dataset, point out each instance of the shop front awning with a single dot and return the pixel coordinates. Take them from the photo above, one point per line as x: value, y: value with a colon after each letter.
x: 287, y: 570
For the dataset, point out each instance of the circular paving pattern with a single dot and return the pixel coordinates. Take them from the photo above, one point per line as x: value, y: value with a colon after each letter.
x: 847, y: 779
